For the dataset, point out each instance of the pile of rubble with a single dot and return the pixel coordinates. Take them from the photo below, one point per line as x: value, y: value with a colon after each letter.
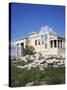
x: 42, y: 62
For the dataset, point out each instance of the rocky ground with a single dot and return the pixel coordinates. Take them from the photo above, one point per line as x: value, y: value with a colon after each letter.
x: 41, y: 62
x: 36, y: 70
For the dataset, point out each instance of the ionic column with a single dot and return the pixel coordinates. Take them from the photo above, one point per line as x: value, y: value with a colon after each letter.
x: 58, y: 43
x: 53, y: 43
x: 63, y: 44
x: 17, y: 50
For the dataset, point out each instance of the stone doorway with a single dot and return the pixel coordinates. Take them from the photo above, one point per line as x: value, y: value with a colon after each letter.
x: 22, y: 49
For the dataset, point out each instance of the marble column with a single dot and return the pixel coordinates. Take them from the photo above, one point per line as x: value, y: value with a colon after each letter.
x: 53, y: 44
x: 58, y: 43
x: 63, y: 44
x: 18, y: 50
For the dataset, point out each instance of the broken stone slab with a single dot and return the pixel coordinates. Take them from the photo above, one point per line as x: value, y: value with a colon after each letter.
x: 57, y: 61
x: 55, y: 65
x: 61, y: 61
x: 49, y: 61
x: 29, y: 84
x: 59, y: 64
x: 32, y: 57
x: 41, y: 68
x: 21, y: 67
x: 45, y: 65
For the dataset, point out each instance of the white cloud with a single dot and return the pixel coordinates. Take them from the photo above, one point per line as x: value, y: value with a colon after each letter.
x: 46, y: 29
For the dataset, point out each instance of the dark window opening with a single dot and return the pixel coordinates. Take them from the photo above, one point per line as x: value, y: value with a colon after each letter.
x: 61, y: 43
x: 22, y: 49
x: 45, y: 45
x: 35, y: 42
x: 55, y: 45
x: 39, y: 42
x: 22, y: 44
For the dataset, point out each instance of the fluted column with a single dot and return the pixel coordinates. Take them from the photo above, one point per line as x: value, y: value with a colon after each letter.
x: 63, y: 44
x: 58, y: 43
x: 18, y: 50
x: 53, y: 43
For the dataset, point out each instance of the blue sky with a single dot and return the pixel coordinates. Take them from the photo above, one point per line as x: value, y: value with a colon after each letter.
x: 26, y: 18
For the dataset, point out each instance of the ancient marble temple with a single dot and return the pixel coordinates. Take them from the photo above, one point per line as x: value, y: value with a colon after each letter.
x: 46, y: 42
